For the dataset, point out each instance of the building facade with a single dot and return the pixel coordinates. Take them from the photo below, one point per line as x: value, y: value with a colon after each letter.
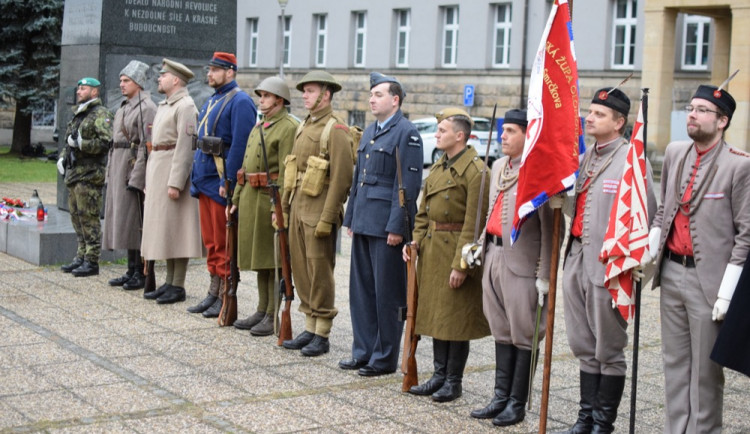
x: 437, y: 48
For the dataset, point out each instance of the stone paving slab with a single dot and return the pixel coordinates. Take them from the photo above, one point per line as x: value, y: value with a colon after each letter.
x: 78, y: 356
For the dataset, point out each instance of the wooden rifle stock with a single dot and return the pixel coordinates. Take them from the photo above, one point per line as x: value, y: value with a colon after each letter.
x: 228, y: 313
x: 285, y: 286
x: 148, y: 271
x: 411, y: 339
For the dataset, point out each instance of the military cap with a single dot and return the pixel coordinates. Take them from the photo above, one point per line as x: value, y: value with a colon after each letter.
x: 89, y: 81
x: 612, y: 98
x: 453, y: 111
x: 177, y: 69
x: 136, y: 71
x: 721, y: 98
x: 224, y: 60
x: 516, y: 116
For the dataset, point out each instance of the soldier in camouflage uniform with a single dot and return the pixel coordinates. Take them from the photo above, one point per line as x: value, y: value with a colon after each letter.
x: 88, y: 137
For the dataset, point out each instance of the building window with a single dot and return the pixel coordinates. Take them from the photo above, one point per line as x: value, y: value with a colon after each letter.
x: 320, y: 39
x: 450, y: 36
x: 501, y: 52
x: 357, y: 118
x: 44, y: 114
x: 695, y: 42
x: 252, y: 33
x: 360, y: 30
x: 623, y: 37
x: 287, y: 39
x: 402, y: 37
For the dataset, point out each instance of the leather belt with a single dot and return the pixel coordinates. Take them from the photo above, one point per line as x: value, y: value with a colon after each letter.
x: 577, y: 239
x: 686, y: 261
x: 163, y: 147
x: 494, y: 239
x: 447, y: 227
x: 120, y: 145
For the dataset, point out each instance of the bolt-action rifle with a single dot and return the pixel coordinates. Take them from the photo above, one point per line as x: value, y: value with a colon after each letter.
x: 228, y: 313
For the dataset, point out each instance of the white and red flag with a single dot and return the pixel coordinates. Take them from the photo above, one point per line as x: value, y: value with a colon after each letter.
x: 626, y: 242
x: 554, y: 140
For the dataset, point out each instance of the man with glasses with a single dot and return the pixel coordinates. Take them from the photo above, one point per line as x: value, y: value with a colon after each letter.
x: 700, y: 239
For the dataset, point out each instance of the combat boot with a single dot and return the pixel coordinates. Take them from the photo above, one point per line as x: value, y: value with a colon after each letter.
x: 86, y: 269
x: 173, y: 294
x: 204, y: 304
x: 77, y: 262
x: 299, y: 342
x: 317, y: 346
x: 153, y: 295
x: 250, y: 322
x: 515, y: 410
x: 607, y: 400
x: 137, y: 281
x: 589, y: 387
x: 440, y: 362
x: 214, y: 310
x: 122, y: 280
x: 458, y: 353
x: 505, y: 363
x: 264, y: 327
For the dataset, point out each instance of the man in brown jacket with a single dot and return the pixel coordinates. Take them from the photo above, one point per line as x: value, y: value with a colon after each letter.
x: 126, y: 173
x: 316, y: 208
x: 450, y: 296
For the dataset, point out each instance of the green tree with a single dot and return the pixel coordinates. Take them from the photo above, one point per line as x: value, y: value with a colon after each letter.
x: 29, y: 59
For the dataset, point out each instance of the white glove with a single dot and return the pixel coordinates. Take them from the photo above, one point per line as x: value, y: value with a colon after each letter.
x: 654, y: 235
x: 556, y: 201
x: 470, y: 255
x: 71, y: 142
x: 542, y: 289
x: 79, y: 141
x: 60, y: 167
x: 726, y: 291
x: 637, y: 273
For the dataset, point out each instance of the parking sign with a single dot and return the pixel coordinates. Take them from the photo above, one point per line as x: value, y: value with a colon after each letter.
x: 469, y: 95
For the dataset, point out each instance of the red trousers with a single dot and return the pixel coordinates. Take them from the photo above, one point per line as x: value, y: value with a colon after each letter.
x: 214, y: 232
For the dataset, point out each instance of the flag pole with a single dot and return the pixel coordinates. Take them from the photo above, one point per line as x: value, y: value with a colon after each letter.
x: 637, y: 324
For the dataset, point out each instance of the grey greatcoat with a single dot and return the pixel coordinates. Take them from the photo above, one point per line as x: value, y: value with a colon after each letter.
x: 127, y: 167
x: 171, y: 227
x: 510, y: 273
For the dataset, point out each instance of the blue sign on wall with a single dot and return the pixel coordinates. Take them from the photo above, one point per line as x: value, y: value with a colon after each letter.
x: 469, y: 95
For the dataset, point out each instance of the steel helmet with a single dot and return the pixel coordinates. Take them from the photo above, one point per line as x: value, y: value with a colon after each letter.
x: 321, y: 77
x: 277, y: 86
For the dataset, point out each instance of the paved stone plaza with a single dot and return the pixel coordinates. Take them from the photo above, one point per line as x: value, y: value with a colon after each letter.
x: 80, y: 356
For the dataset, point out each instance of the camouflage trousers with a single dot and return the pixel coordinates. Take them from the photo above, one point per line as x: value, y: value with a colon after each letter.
x: 84, y: 203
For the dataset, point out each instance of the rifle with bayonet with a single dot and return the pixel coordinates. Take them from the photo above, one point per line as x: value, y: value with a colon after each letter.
x: 286, y: 289
x: 411, y: 339
x: 228, y: 313
x: 148, y: 266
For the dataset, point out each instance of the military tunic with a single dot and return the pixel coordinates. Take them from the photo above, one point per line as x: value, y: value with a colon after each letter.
x: 84, y: 174
x: 171, y: 228
x: 720, y: 234
x: 510, y: 273
x: 450, y: 196
x: 313, y: 258
x: 126, y: 167
x: 255, y: 231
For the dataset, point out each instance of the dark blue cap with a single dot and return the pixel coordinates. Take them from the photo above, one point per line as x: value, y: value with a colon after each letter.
x: 516, y: 116
x: 612, y: 98
x: 721, y: 98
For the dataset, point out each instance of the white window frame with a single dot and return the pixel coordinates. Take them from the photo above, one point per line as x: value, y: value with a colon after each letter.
x: 503, y: 25
x: 252, y: 42
x: 450, y: 37
x: 703, y: 24
x: 286, y: 39
x: 321, y: 37
x: 403, y: 30
x: 360, y: 38
x: 628, y: 24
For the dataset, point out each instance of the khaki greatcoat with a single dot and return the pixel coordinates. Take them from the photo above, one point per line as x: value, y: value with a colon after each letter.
x: 450, y: 196
x: 172, y: 227
x: 255, y: 235
x: 127, y: 167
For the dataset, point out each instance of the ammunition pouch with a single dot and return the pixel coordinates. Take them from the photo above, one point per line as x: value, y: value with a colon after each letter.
x: 315, y: 176
x: 260, y: 179
x: 211, y: 145
x: 290, y: 172
x: 241, y: 177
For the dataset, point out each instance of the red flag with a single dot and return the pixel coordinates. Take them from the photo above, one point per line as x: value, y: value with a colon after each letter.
x: 554, y: 139
x: 626, y: 242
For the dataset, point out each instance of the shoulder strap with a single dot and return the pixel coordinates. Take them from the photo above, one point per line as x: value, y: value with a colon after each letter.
x: 228, y: 98
x: 326, y: 135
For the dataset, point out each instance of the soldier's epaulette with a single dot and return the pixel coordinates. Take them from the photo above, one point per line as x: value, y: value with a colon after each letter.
x: 738, y: 152
x: 341, y: 127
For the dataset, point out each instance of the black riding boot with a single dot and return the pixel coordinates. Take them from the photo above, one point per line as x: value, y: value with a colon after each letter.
x: 589, y: 388
x: 505, y: 363
x: 458, y: 352
x: 119, y: 281
x: 607, y: 401
x: 440, y: 361
x: 515, y: 411
x: 138, y: 279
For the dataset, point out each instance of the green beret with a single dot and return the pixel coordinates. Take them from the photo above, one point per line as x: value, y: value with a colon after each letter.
x: 89, y: 81
x: 453, y: 111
